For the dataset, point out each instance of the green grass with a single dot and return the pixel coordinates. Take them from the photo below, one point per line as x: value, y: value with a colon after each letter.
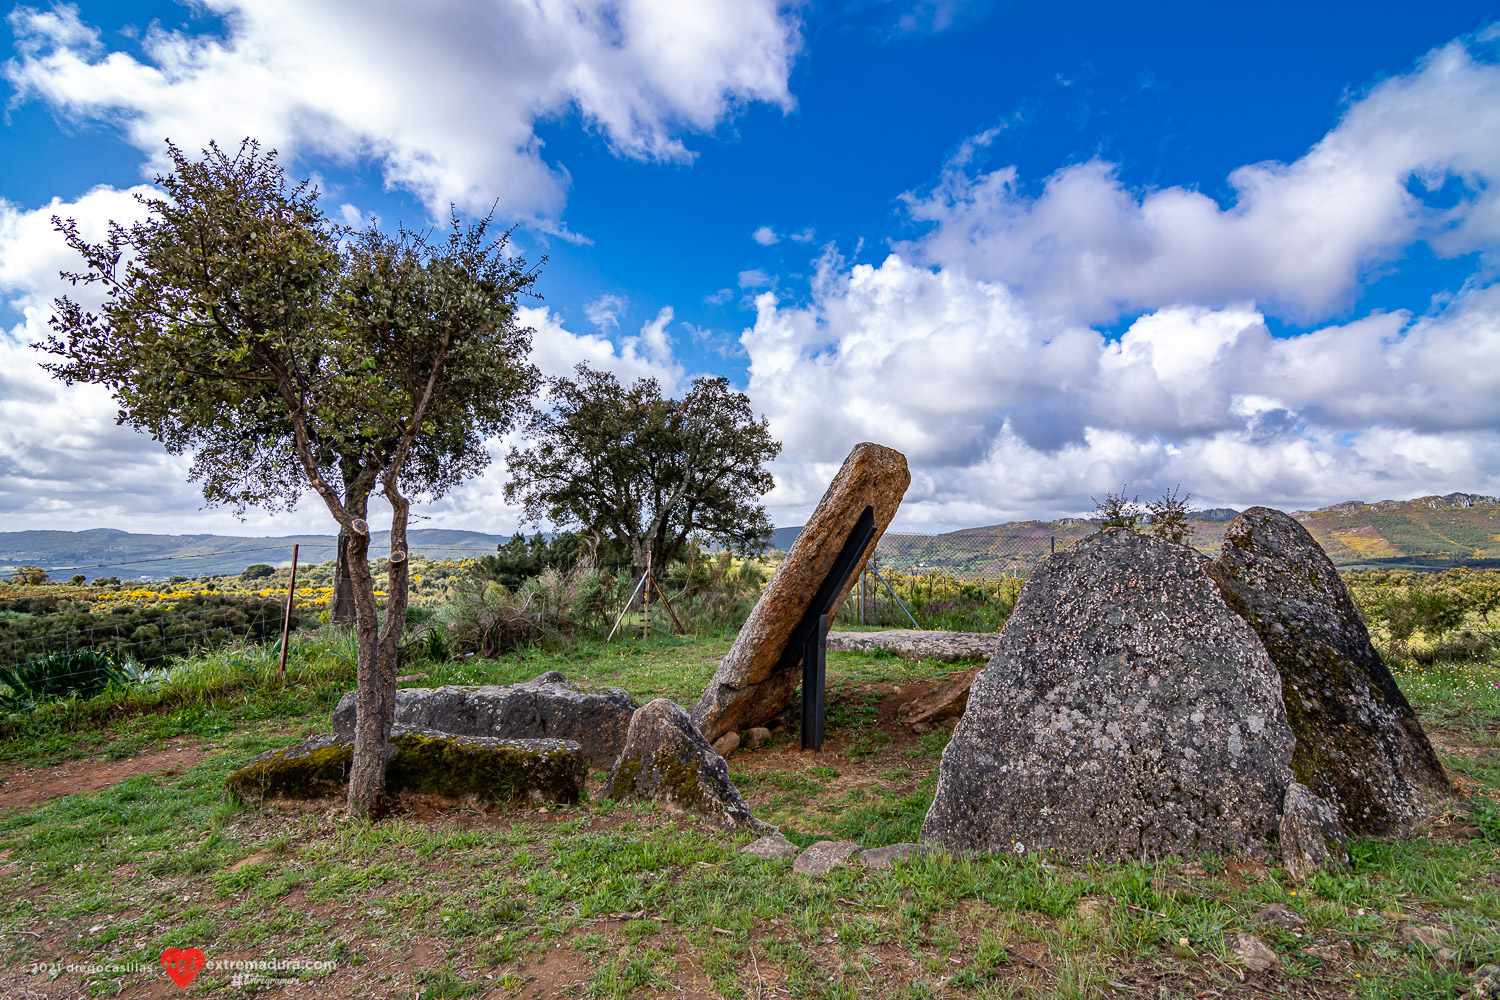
x: 608, y: 900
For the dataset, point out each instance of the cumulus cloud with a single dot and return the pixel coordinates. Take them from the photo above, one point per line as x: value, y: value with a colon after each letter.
x: 444, y: 97
x: 1297, y: 237
x: 64, y: 463
x: 754, y: 278
x: 1007, y: 412
x: 765, y: 236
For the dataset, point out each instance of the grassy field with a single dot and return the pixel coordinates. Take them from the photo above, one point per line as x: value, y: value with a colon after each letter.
x: 606, y: 900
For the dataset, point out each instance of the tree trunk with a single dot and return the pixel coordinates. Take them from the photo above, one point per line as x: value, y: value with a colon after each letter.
x: 341, y: 609
x: 379, y: 650
x: 374, y: 687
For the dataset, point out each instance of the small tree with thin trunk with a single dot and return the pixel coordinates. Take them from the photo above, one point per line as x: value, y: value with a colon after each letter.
x: 628, y: 464
x: 287, y: 353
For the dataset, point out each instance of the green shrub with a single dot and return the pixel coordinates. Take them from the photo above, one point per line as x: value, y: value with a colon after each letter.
x: 81, y: 673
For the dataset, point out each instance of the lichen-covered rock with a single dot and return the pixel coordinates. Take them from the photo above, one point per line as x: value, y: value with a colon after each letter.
x: 772, y: 845
x: 1127, y: 712
x: 432, y: 763
x: 1310, y: 834
x: 667, y: 760
x: 911, y: 644
x: 1359, y: 744
x: 885, y: 857
x: 748, y: 690
x: 545, y: 707
x: 826, y: 855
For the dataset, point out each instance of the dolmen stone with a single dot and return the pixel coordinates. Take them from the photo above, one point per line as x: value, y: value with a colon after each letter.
x: 546, y: 707
x: 748, y: 690
x: 1127, y: 712
x: 667, y: 760
x: 914, y: 644
x: 423, y: 761
x: 1359, y: 745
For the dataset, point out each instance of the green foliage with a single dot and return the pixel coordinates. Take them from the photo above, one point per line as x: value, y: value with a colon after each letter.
x: 1117, y: 510
x: 82, y: 674
x: 521, y: 559
x: 31, y: 575
x: 484, y: 618
x: 1401, y: 604
x: 256, y: 571
x: 626, y: 464
x: 1168, y: 517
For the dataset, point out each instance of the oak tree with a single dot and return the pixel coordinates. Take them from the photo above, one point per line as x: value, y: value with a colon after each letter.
x: 287, y: 353
x: 625, y: 463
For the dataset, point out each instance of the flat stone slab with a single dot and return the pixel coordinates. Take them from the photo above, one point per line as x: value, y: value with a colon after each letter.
x: 424, y: 761
x: 826, y: 855
x: 545, y: 707
x: 1359, y: 745
x: 1127, y: 713
x: 748, y: 690
x: 885, y: 857
x: 666, y: 760
x: 948, y: 647
x: 771, y: 846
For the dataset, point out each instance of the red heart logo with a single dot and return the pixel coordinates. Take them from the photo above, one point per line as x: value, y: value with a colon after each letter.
x: 183, y: 964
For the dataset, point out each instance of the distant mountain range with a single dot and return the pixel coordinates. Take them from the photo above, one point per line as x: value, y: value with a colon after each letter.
x: 1432, y: 532
x: 1427, y: 533
x: 129, y: 556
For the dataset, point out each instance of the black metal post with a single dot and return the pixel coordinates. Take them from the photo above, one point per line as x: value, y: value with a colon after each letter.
x: 814, y: 669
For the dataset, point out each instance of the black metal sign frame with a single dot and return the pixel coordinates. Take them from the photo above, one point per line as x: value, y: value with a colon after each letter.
x: 809, y: 639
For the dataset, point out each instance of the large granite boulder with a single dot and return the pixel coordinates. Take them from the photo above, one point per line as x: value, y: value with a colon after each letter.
x: 667, y: 760
x: 1127, y: 712
x: 1359, y: 744
x: 545, y: 707
x: 748, y: 690
x: 431, y: 763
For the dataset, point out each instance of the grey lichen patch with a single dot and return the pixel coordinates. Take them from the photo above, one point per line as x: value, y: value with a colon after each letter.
x: 456, y: 767
x: 667, y: 760
x: 1358, y: 742
x: 1127, y: 712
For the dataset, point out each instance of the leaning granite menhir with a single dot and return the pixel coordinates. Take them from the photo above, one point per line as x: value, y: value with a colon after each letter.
x: 1127, y: 712
x: 667, y: 760
x: 545, y: 707
x: 430, y: 763
x: 748, y: 690
x: 1359, y: 744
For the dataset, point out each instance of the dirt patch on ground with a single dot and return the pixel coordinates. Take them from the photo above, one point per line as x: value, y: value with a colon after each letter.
x: 25, y: 789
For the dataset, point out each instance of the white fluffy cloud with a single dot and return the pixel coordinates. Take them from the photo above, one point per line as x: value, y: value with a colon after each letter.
x: 1298, y: 237
x: 1003, y: 412
x: 64, y: 463
x: 443, y: 96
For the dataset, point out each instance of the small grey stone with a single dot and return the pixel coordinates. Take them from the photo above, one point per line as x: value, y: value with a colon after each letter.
x: 1256, y: 955
x: 826, y: 855
x: 1310, y: 833
x: 908, y: 643
x: 1278, y: 915
x: 885, y: 857
x: 667, y: 760
x: 758, y: 735
x: 727, y: 744
x: 771, y: 846
x: 1484, y: 984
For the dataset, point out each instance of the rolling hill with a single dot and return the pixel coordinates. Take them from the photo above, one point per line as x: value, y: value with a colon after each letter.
x: 1434, y: 532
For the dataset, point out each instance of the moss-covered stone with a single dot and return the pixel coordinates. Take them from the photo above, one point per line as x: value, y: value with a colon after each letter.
x: 667, y: 760
x: 458, y: 767
x: 1358, y: 745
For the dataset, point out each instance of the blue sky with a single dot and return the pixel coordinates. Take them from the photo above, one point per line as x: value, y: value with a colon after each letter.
x: 1043, y: 249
